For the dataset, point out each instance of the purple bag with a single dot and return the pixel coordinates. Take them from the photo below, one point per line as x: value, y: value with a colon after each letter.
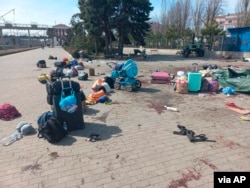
x: 213, y: 85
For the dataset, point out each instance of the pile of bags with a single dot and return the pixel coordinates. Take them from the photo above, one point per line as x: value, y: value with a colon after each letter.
x: 100, y: 92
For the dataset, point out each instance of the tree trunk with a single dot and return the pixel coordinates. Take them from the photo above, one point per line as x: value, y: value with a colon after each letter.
x: 121, y: 44
x: 96, y: 46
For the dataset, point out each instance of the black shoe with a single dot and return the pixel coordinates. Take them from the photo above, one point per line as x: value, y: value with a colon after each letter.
x: 94, y: 137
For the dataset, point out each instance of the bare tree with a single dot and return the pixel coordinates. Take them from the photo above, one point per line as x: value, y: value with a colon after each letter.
x: 243, y: 13
x: 165, y: 9
x: 177, y: 14
x: 198, y: 15
x: 213, y: 9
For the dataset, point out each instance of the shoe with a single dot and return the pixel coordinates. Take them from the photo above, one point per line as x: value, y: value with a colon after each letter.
x: 94, y: 137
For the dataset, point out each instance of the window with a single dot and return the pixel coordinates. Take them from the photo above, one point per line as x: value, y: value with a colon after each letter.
x: 230, y: 21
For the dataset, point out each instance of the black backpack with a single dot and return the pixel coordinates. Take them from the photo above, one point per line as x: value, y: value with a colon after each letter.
x: 110, y: 81
x: 52, y: 130
x: 83, y: 76
x: 41, y: 64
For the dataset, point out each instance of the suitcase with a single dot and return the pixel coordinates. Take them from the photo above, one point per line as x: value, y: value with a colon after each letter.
x: 55, y: 88
x: 73, y: 120
x: 160, y: 77
x: 194, y: 79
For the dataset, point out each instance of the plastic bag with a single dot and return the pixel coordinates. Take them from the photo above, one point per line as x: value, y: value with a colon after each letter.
x: 228, y: 90
x: 68, y: 103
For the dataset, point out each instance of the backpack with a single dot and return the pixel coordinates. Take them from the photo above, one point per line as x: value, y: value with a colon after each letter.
x: 110, y: 81
x: 8, y: 112
x: 60, y: 64
x: 52, y: 130
x: 83, y: 76
x: 74, y: 71
x: 42, y: 78
x: 43, y: 118
x: 213, y: 85
x: 204, y: 85
x: 41, y: 64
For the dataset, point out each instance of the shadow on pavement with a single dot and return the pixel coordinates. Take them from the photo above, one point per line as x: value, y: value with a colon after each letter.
x: 105, y: 131
x: 148, y: 90
x: 90, y: 111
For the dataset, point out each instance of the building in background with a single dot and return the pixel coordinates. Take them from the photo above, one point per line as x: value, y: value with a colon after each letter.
x: 227, y: 21
x: 57, y: 34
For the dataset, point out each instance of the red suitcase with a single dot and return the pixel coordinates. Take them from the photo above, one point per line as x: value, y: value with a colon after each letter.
x: 160, y: 77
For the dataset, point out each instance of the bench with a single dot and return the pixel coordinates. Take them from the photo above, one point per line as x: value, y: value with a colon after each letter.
x: 152, y: 51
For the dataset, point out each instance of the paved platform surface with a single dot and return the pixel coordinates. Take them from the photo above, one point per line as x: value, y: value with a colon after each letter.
x: 137, y: 146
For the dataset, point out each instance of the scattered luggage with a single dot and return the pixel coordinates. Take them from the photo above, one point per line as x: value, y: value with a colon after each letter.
x: 194, y: 79
x: 74, y: 62
x: 73, y: 119
x: 213, y: 85
x: 181, y: 86
x: 74, y: 71
x: 106, y: 87
x: 52, y: 57
x: 160, y: 77
x: 91, y: 72
x: 42, y: 78
x: 204, y: 85
x: 83, y: 76
x: 52, y: 130
x: 43, y: 118
x: 41, y: 64
x: 79, y: 67
x: 60, y: 64
x: 55, y: 88
x: 8, y: 112
x: 110, y: 81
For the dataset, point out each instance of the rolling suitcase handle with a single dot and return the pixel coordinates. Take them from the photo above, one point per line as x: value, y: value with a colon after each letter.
x: 195, y: 67
x: 70, y: 88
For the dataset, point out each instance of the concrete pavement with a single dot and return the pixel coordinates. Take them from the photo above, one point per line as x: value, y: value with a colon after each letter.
x: 137, y: 146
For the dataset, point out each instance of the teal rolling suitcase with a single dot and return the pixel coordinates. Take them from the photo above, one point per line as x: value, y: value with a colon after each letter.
x: 194, y: 79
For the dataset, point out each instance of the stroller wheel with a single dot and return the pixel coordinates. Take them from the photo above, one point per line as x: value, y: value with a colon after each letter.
x: 138, y: 84
x: 129, y: 88
x: 117, y: 85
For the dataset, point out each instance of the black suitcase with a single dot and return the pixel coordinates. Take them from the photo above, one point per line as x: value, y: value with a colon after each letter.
x: 55, y: 88
x: 73, y: 120
x: 60, y: 64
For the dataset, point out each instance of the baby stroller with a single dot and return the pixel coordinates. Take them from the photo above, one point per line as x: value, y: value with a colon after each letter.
x: 125, y: 77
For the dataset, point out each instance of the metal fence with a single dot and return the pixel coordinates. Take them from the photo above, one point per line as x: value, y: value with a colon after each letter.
x: 221, y: 43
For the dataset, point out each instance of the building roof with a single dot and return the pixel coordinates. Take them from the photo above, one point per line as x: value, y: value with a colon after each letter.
x: 61, y: 26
